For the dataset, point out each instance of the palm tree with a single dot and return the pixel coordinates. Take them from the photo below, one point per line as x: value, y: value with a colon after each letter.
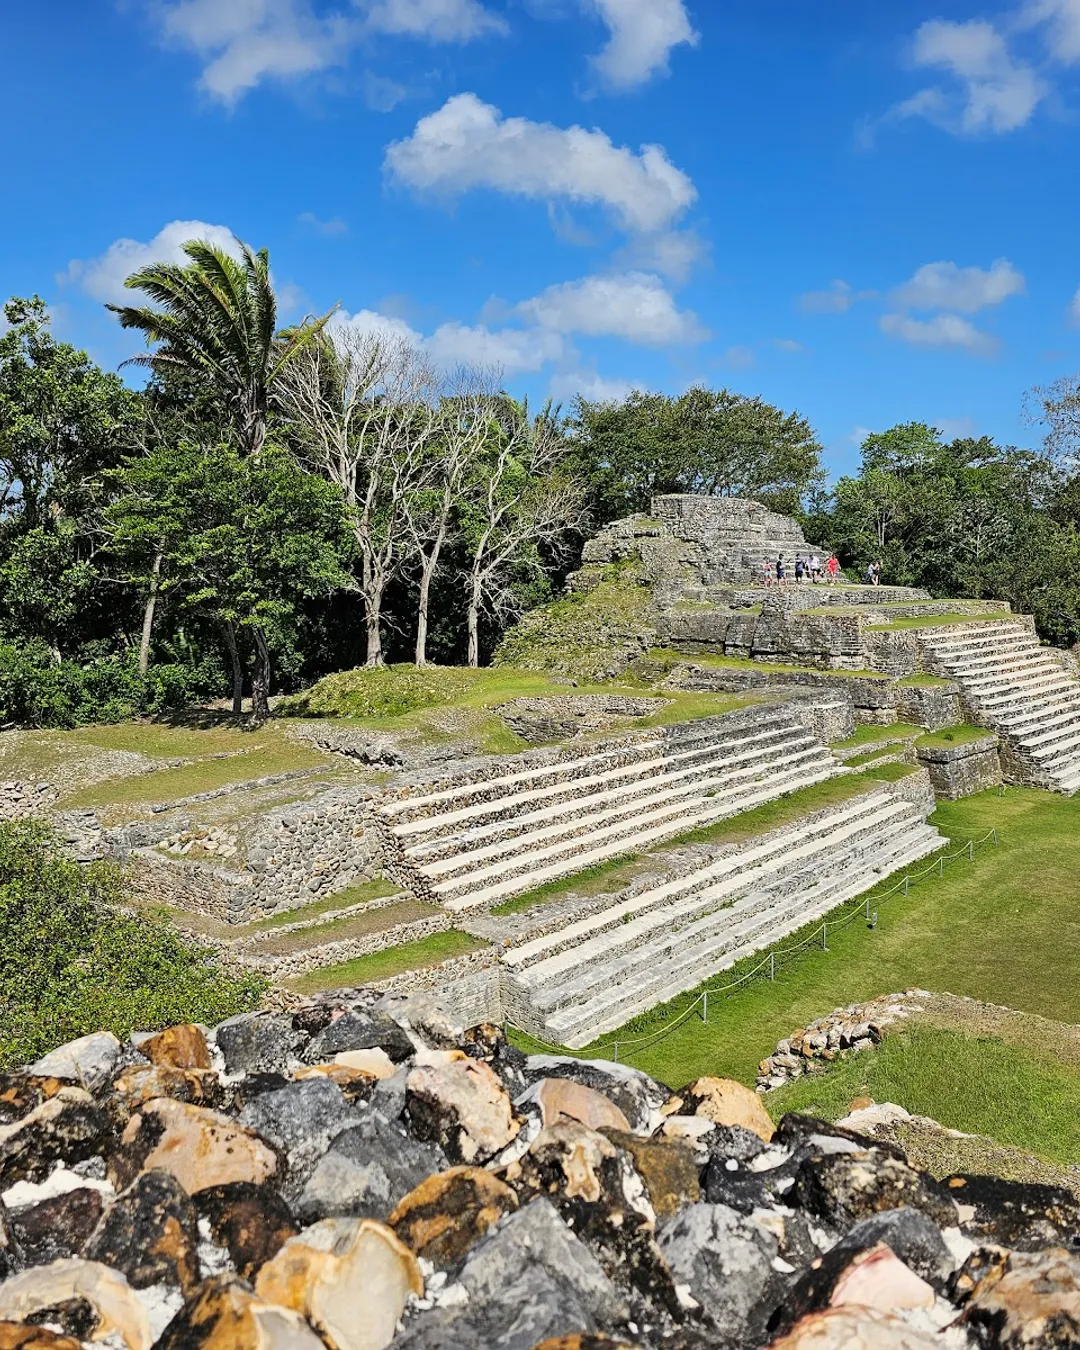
x: 216, y: 319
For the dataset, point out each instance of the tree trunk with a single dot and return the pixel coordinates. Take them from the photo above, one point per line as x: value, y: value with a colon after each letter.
x: 474, y: 623
x: 260, y: 679
x: 148, y: 616
x: 372, y: 615
x: 229, y: 630
x: 422, y: 610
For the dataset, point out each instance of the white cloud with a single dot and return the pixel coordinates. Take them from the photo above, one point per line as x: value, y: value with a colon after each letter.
x: 943, y: 285
x: 739, y: 356
x: 838, y: 299
x: 434, y: 20
x: 634, y: 306
x: 514, y: 351
x: 587, y: 384
x: 103, y: 277
x: 674, y: 253
x: 788, y: 345
x: 385, y: 326
x: 1062, y: 20
x: 643, y: 33
x: 943, y: 330
x: 469, y: 144
x: 243, y: 42
x: 382, y: 94
x: 1074, y: 309
x: 335, y: 225
x: 995, y: 92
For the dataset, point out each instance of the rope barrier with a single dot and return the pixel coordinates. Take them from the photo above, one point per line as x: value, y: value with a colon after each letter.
x: 819, y: 935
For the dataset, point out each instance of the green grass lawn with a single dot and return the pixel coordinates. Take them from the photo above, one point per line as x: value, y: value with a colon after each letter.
x: 977, y: 1084
x: 869, y: 756
x: 427, y: 951
x: 891, y: 772
x: 920, y: 681
x: 1005, y: 928
x: 668, y: 655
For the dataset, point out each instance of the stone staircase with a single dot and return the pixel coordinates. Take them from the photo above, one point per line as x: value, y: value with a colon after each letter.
x: 590, y: 977
x: 518, y: 825
x: 1018, y: 688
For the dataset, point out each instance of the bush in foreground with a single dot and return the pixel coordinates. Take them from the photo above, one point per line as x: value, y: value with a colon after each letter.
x: 72, y: 962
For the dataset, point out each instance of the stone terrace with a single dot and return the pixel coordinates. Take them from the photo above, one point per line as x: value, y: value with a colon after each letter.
x: 518, y: 824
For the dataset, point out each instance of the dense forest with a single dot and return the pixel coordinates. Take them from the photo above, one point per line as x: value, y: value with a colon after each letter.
x: 276, y: 503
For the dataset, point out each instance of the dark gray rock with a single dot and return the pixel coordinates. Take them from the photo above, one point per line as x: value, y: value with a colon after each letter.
x: 914, y: 1238
x: 300, y: 1121
x: 360, y: 1030
x: 150, y: 1234
x: 11, y: 1253
x: 366, y: 1170
x: 529, y: 1280
x: 251, y: 1222
x: 637, y: 1095
x: 727, y: 1261
x: 840, y: 1189
x: 57, y: 1227
x: 734, y: 1142
x: 65, y: 1128
x: 1019, y: 1214
x: 258, y: 1043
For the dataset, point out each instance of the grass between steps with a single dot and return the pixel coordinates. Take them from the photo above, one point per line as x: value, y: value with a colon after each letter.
x: 869, y: 756
x: 934, y: 621
x: 1005, y: 929
x: 428, y: 951
x: 358, y: 925
x: 713, y: 660
x: 978, y: 1084
x: 921, y: 681
x: 615, y: 873
x: 961, y: 734
x: 874, y: 735
x: 361, y: 894
x: 891, y: 772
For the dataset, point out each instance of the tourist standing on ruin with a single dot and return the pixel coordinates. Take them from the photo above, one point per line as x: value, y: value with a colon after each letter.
x: 768, y: 574
x: 877, y: 574
x: 779, y: 569
x: 832, y: 567
x: 815, y: 569
x: 800, y: 569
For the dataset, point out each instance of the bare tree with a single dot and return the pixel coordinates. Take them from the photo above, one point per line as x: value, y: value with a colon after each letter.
x: 465, y: 422
x: 520, y: 499
x: 363, y: 409
x: 1057, y: 408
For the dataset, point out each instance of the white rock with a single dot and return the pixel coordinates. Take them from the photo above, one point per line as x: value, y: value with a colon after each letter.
x: 90, y: 1059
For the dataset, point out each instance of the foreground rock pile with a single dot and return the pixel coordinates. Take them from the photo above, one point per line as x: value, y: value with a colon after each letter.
x: 361, y: 1174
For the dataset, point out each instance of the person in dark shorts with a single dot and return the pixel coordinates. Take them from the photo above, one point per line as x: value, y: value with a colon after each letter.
x: 780, y: 574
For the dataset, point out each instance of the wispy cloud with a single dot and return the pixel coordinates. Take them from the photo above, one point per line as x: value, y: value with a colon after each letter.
x: 335, y: 225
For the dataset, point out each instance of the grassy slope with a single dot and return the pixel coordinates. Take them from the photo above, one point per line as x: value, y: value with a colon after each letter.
x: 934, y: 621
x: 979, y: 1084
x: 1006, y: 929
x: 427, y: 951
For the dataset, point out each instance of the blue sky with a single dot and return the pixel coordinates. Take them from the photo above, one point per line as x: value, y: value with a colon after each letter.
x: 866, y: 212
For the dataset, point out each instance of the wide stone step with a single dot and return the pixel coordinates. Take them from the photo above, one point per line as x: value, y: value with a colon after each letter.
x: 1027, y: 667
x: 629, y: 769
x: 1014, y: 690
x: 960, y: 636
x: 736, y: 908
x: 671, y: 819
x: 581, y: 795
x: 588, y: 853
x: 553, y: 953
x: 1046, y: 736
x: 583, y: 818
x: 1036, y: 718
x: 1053, y: 752
x: 681, y: 967
x: 985, y: 646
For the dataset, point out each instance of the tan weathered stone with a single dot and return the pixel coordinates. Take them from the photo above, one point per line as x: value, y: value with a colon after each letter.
x: 464, y: 1106
x: 179, y: 1047
x: 118, y: 1309
x: 726, y: 1102
x: 443, y: 1217
x: 854, y: 1328
x: 376, y: 1063
x: 877, y: 1278
x: 18, y: 1336
x: 667, y: 1168
x: 563, y: 1098
x: 349, y: 1277
x: 201, y: 1148
x: 140, y: 1083
x: 1030, y: 1301
x: 225, y: 1315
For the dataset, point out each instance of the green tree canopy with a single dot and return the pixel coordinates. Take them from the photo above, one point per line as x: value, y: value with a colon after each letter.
x: 243, y: 538
x: 710, y: 441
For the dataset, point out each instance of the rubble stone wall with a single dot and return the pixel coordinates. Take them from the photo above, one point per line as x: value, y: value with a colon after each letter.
x: 959, y: 770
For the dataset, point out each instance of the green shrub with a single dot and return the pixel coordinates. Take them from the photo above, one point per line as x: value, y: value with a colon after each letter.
x: 71, y: 962
x: 36, y: 690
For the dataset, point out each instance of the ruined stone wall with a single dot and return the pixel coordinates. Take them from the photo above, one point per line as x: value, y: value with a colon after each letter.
x: 961, y: 769
x: 930, y: 706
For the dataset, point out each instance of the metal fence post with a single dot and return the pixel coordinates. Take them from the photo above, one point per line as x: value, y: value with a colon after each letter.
x: 971, y: 850
x: 705, y: 1006
x: 616, y: 1055
x: 907, y: 885
x: 941, y: 865
x: 824, y: 937
x: 772, y: 965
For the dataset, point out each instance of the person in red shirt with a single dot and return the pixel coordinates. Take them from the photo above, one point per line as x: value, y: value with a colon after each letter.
x: 832, y: 567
